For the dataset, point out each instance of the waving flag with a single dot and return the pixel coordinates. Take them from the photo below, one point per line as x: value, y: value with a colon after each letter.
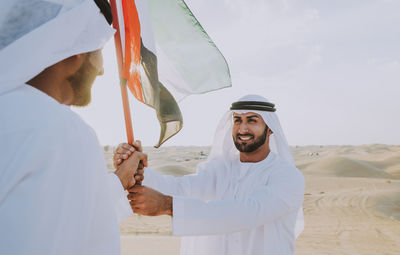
x: 164, y: 55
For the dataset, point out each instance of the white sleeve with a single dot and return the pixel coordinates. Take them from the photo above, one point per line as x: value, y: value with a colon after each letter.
x: 166, y: 184
x: 119, y: 198
x: 202, y: 185
x: 266, y: 204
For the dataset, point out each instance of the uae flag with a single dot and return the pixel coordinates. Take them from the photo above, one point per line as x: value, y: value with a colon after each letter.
x: 166, y: 55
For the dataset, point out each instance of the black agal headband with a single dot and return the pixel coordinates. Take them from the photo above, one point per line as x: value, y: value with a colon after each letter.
x: 253, y: 105
x: 105, y: 8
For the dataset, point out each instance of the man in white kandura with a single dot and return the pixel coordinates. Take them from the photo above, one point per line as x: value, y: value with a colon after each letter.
x: 246, y: 199
x: 56, y: 196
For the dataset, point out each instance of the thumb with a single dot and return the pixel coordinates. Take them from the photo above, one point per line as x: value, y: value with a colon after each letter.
x: 131, y: 182
x: 143, y: 158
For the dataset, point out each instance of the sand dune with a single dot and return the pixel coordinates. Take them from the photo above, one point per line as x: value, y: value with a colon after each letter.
x: 390, y: 164
x: 386, y: 202
x: 352, y: 200
x: 394, y: 171
x: 174, y: 170
x: 343, y: 167
x: 350, y: 216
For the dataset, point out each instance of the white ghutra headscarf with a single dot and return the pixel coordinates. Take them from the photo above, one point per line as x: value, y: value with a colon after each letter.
x: 224, y: 147
x: 35, y: 34
x: 223, y: 144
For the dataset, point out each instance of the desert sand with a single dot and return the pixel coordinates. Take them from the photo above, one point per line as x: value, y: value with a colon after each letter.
x: 352, y: 200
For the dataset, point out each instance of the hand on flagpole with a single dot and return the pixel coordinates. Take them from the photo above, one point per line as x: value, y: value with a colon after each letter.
x: 123, y: 152
x: 127, y: 170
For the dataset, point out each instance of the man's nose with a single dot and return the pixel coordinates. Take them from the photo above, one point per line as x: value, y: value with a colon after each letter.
x: 243, y: 128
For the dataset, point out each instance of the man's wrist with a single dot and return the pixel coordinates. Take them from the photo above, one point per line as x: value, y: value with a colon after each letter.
x: 117, y: 173
x: 168, y: 205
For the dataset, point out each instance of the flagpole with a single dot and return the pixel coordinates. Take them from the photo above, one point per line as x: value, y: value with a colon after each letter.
x: 124, y: 90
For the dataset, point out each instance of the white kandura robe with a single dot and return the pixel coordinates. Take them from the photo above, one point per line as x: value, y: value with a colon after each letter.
x: 241, y: 209
x: 56, y: 196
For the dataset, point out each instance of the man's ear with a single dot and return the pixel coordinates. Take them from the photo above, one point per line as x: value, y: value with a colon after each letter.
x: 270, y: 132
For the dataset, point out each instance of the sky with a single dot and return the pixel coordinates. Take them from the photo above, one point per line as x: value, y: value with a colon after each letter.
x: 331, y: 67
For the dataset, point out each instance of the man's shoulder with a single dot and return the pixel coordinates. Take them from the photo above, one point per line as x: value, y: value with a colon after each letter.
x: 215, y: 164
x: 287, y: 177
x: 45, y: 133
x: 36, y: 119
x: 30, y: 109
x: 284, y: 169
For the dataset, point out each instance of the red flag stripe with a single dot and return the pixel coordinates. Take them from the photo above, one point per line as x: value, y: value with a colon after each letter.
x: 132, y: 48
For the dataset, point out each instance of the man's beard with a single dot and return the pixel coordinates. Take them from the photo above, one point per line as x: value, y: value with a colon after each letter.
x: 81, y: 83
x: 258, y: 142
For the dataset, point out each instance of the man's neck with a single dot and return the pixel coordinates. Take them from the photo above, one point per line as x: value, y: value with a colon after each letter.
x: 55, y: 87
x: 255, y: 156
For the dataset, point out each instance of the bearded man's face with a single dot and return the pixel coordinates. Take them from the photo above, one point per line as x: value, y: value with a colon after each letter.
x: 249, y: 131
x: 82, y: 81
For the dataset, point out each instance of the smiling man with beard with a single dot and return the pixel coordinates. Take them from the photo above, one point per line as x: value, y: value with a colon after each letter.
x: 246, y: 199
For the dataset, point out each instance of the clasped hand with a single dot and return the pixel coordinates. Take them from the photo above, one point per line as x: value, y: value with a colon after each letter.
x: 143, y: 200
x: 130, y: 168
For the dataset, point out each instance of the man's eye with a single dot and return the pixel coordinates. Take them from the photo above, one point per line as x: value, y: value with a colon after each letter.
x: 252, y: 120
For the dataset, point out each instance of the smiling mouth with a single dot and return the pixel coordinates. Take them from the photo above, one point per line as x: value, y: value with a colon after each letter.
x: 245, y: 138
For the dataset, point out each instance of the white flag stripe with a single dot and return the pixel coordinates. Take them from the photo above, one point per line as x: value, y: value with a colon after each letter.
x: 121, y: 26
x: 146, y: 30
x: 192, y: 63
